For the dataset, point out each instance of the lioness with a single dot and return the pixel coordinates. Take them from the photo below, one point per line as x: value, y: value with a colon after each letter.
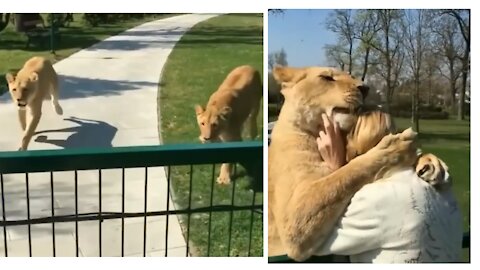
x: 304, y: 198
x: 36, y: 81
x: 237, y: 99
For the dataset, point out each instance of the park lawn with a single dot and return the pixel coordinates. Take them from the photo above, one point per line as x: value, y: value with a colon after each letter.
x: 450, y: 141
x: 196, y: 67
x: 77, y: 36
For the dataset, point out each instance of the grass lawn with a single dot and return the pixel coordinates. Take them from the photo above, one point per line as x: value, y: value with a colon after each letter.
x: 194, y: 70
x: 13, y: 51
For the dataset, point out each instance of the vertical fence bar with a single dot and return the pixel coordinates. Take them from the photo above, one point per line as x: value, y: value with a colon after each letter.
x: 53, y: 213
x: 100, y: 213
x: 211, y: 208
x: 28, y: 215
x: 168, y: 209
x: 251, y: 224
x: 76, y: 213
x: 189, y: 209
x: 231, y: 213
x: 123, y: 212
x: 145, y: 216
x: 4, y: 218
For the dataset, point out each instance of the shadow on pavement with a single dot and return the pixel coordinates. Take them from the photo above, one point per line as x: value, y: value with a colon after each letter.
x: 88, y: 133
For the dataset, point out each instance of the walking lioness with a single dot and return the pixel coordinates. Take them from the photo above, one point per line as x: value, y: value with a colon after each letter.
x: 237, y: 99
x: 36, y: 81
x: 305, y: 198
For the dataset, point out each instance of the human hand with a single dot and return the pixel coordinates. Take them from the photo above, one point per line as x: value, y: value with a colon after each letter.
x: 331, y: 144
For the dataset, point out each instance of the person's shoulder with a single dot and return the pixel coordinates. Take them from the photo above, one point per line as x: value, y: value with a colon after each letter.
x: 398, y: 184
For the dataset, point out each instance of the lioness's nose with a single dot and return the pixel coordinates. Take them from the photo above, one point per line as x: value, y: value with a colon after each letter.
x: 206, y: 139
x: 364, y: 90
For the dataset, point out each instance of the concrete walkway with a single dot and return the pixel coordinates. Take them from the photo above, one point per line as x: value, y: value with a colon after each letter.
x: 109, y: 99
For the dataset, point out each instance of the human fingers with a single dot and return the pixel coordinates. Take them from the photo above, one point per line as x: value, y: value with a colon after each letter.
x: 327, y: 124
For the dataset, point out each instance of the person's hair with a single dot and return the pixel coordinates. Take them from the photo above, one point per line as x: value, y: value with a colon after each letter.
x: 371, y: 127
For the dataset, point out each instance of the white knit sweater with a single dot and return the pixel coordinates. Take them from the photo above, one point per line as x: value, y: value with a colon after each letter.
x: 400, y: 219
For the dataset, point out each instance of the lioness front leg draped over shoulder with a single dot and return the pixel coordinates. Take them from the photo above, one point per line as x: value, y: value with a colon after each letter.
x: 305, y: 197
x: 316, y: 204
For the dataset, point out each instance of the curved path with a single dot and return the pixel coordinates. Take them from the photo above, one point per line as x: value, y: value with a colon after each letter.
x: 109, y: 98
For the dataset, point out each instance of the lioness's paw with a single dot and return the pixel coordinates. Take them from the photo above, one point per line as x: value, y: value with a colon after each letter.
x: 433, y: 170
x: 59, y: 110
x: 398, y: 149
x: 223, y: 179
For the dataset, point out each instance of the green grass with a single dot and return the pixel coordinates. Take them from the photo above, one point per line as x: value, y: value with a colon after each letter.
x: 450, y: 141
x: 194, y: 70
x: 13, y: 51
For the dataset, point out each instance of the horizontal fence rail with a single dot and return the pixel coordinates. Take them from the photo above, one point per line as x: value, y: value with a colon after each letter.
x: 248, y: 154
x: 129, y: 157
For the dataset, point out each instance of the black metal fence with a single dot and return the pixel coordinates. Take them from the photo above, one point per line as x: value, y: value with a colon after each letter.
x: 21, y: 169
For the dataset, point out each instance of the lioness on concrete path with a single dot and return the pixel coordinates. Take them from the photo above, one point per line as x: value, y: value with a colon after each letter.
x: 34, y: 83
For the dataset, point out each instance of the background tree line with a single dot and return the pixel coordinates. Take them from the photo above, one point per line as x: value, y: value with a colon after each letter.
x: 417, y: 62
x: 90, y: 19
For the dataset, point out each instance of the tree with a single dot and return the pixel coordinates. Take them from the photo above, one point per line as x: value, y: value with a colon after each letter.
x: 416, y: 43
x: 335, y: 55
x: 277, y: 58
x: 366, y: 27
x: 388, y: 44
x: 448, y: 47
x: 4, y: 20
x: 276, y: 11
x: 463, y: 19
x: 341, y: 22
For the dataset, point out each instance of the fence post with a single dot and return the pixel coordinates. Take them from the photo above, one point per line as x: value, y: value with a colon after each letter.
x: 52, y: 31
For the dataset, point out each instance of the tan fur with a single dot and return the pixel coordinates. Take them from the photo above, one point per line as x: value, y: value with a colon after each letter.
x: 305, y: 198
x: 35, y: 82
x: 434, y: 171
x: 237, y: 99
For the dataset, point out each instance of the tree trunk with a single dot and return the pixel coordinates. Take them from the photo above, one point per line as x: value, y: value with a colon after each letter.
x: 365, y: 63
x: 4, y: 21
x: 452, y: 97
x: 461, y: 98
x: 415, y: 97
x: 350, y: 60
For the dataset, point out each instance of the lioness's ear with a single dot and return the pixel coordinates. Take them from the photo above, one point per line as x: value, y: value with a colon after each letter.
x: 199, y: 109
x: 10, y: 77
x: 288, y: 74
x: 33, y: 76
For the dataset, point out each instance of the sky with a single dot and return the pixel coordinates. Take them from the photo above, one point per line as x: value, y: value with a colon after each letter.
x: 302, y: 34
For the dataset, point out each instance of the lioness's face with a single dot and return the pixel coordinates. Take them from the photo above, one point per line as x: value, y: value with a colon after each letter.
x: 22, y: 88
x: 210, y: 123
x: 316, y: 90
